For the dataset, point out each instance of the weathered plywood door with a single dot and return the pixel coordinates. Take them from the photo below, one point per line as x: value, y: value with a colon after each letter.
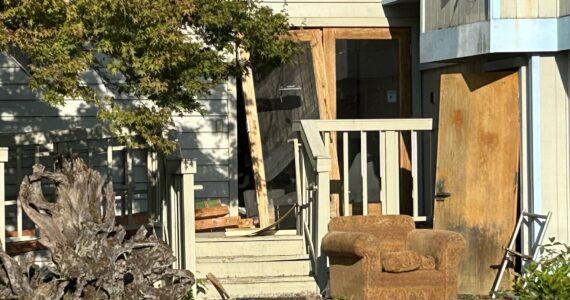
x: 477, y: 164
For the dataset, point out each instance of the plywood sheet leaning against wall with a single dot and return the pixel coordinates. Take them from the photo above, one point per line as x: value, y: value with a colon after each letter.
x: 477, y: 164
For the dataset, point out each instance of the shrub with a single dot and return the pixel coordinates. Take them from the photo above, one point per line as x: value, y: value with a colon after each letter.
x: 548, y: 278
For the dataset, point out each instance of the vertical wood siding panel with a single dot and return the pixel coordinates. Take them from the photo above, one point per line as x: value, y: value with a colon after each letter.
x: 547, y: 8
x: 508, y: 9
x: 564, y: 9
x: 527, y: 9
x: 552, y: 154
x: 448, y: 13
x: 561, y: 138
x: 566, y: 205
x: 548, y: 136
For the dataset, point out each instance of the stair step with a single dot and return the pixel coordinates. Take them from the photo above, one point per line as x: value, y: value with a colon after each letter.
x: 249, y: 246
x: 265, y: 287
x: 255, y: 266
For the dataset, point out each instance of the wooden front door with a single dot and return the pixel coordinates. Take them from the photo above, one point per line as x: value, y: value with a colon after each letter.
x: 477, y: 165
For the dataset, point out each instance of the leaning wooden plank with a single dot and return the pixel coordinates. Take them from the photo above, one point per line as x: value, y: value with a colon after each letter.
x: 216, y: 223
x: 255, y: 145
x: 327, y: 103
x: 211, y: 212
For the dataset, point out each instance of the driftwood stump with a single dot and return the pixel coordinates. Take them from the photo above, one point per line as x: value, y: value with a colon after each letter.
x: 92, y: 258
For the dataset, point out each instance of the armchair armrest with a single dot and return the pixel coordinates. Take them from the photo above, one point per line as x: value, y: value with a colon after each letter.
x: 343, y: 243
x: 445, y: 246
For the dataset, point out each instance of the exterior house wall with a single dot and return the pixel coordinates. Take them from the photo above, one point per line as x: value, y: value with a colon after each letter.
x: 441, y: 14
x: 555, y: 143
x: 525, y: 9
x: 209, y: 139
x: 342, y: 13
x: 563, y: 8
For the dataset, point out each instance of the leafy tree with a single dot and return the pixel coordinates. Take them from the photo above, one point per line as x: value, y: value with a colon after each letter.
x: 170, y: 51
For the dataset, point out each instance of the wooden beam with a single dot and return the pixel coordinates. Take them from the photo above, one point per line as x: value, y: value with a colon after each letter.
x: 217, y: 223
x: 254, y: 136
x: 211, y: 212
x: 326, y: 98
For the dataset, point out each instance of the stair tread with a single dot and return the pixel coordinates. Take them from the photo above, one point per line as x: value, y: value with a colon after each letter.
x: 265, y: 279
x: 260, y: 258
x: 250, y: 239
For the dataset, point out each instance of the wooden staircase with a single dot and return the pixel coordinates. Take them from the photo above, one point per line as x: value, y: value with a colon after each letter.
x: 255, y: 267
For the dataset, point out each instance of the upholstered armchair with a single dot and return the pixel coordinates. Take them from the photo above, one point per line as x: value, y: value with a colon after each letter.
x: 385, y: 257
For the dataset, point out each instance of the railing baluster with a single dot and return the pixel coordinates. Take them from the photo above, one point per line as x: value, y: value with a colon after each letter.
x: 382, y: 168
x: 151, y: 181
x: 345, y: 176
x: 3, y: 160
x: 19, y: 218
x: 129, y: 184
x: 89, y: 154
x: 109, y: 162
x: 364, y: 172
x: 296, y: 150
x: 393, y: 172
x: 415, y: 192
x: 37, y: 154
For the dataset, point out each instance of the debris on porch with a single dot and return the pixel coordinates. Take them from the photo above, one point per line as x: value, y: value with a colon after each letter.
x: 211, y: 215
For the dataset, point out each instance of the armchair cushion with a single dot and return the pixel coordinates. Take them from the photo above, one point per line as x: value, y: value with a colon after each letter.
x: 401, y: 261
x: 405, y: 261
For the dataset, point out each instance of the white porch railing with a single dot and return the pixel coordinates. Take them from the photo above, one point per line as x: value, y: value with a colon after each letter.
x: 313, y: 165
x: 169, y: 194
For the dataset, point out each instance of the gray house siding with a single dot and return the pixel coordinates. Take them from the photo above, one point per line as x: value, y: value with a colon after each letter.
x: 209, y: 139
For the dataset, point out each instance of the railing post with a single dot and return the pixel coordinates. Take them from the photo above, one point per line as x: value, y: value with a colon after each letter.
x: 322, y: 218
x: 3, y: 160
x: 187, y: 170
x: 392, y: 157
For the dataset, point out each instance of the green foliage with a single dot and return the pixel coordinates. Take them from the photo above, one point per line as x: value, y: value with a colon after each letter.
x: 548, y: 278
x: 171, y: 51
x: 200, y: 289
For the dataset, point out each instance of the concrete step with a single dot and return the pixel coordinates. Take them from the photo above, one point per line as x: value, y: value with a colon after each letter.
x: 263, y: 287
x: 254, y: 266
x: 249, y: 246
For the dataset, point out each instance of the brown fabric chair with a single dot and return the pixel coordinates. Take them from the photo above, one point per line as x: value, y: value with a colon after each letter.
x: 355, y: 245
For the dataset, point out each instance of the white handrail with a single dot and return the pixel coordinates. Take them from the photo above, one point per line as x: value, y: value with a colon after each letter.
x: 371, y: 124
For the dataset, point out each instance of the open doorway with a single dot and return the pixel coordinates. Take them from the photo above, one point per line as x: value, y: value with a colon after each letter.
x: 368, y: 73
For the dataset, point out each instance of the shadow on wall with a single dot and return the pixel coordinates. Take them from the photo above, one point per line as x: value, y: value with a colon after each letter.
x: 25, y: 120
